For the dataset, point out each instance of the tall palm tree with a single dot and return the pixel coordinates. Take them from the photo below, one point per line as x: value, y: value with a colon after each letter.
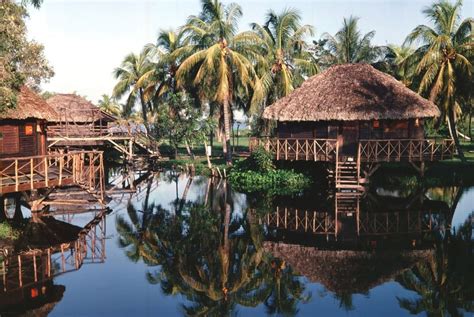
x: 348, y: 45
x: 221, y: 60
x: 286, y: 60
x: 443, y: 58
x: 109, y: 105
x: 133, y: 67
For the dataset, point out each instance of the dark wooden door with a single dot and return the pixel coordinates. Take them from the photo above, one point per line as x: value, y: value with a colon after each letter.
x: 348, y: 139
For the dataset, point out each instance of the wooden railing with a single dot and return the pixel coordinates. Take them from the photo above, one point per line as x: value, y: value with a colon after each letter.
x: 366, y: 223
x: 404, y: 222
x: 83, y: 168
x: 297, y: 149
x: 413, y: 150
x: 307, y: 221
x: 35, y: 266
x: 406, y: 150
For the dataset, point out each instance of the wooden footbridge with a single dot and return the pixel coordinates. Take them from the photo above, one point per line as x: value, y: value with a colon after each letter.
x: 93, y: 131
x: 84, y: 169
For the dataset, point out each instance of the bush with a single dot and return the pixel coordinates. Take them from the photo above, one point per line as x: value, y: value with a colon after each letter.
x: 258, y: 173
x: 7, y: 232
x: 259, y: 161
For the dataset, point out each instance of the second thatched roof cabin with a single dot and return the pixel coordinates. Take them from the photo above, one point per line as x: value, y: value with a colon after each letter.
x: 350, y: 110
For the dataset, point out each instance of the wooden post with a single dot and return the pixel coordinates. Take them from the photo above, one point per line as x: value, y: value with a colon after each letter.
x: 20, y: 277
x: 34, y: 267
x: 46, y: 177
x: 17, y: 182
x: 61, y: 166
x: 32, y: 167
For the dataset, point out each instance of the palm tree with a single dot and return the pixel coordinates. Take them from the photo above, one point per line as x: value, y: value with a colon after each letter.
x: 133, y: 67
x: 171, y: 48
x: 400, y: 62
x: 221, y: 61
x: 348, y: 45
x: 286, y: 60
x: 109, y: 105
x: 443, y: 58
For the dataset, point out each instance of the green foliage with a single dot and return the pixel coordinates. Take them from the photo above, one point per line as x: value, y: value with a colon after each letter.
x: 259, y: 161
x: 7, y: 232
x: 180, y: 122
x: 21, y: 61
x: 258, y: 173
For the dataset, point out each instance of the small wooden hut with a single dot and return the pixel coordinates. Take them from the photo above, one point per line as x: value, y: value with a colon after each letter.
x: 78, y: 118
x: 23, y: 129
x: 353, y: 113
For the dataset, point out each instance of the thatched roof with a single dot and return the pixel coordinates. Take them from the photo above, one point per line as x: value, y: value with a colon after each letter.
x: 29, y: 105
x: 344, y: 271
x: 78, y: 109
x: 351, y: 92
x: 46, y: 232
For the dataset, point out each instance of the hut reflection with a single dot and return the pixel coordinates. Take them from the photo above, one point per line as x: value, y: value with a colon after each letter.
x: 45, y: 248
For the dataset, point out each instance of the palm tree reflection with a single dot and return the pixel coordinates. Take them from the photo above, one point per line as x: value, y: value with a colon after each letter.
x: 444, y: 282
x: 210, y: 255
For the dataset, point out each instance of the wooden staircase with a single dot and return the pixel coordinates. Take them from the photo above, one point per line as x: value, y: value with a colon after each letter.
x: 147, y: 143
x: 347, y: 175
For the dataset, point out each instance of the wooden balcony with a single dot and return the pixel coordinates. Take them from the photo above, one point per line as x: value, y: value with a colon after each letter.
x: 83, y: 168
x: 328, y: 150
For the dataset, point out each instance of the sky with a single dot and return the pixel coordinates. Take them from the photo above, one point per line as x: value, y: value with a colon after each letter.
x: 85, y: 40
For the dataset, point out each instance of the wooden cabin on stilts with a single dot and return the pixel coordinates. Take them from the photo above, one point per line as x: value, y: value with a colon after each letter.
x: 26, y: 165
x: 355, y: 118
x: 82, y: 125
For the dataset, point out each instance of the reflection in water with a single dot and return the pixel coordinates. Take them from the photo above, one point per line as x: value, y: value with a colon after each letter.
x: 220, y: 254
x: 45, y: 249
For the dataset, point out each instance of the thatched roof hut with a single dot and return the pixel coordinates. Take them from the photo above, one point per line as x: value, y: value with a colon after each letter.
x: 29, y: 106
x: 351, y: 92
x: 344, y: 271
x: 23, y: 129
x: 72, y: 107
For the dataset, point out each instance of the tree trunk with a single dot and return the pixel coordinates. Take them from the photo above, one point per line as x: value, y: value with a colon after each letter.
x: 227, y: 126
x: 144, y: 110
x: 188, y: 149
x: 209, y: 165
x: 470, y: 124
x: 454, y: 135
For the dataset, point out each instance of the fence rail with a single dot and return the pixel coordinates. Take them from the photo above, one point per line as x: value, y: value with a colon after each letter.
x: 83, y: 168
x: 413, y: 150
x: 297, y: 149
x: 406, y: 150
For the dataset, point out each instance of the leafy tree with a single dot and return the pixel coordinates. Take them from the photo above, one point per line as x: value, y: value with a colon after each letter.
x: 21, y: 61
x: 443, y: 58
x: 180, y: 122
x: 348, y: 45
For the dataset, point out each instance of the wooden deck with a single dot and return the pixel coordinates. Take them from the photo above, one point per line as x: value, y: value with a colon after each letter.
x: 82, y: 168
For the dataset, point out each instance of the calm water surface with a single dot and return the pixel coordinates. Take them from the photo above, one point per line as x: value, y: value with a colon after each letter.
x: 192, y: 246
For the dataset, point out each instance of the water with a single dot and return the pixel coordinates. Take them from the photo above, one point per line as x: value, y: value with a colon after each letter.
x: 183, y: 246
